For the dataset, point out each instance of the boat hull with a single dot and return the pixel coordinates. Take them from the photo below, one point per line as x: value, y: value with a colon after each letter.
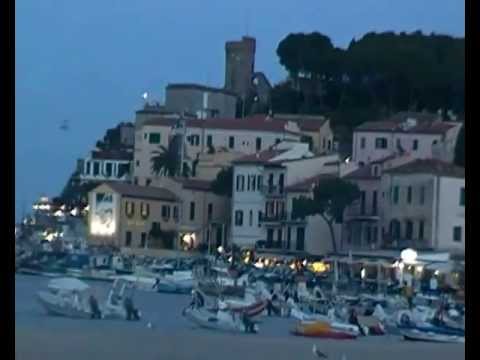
x: 431, y: 337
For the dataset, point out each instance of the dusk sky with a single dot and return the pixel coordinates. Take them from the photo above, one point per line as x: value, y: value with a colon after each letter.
x: 88, y: 61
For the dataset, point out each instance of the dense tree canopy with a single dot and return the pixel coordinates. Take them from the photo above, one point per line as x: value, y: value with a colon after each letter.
x: 381, y: 73
x: 223, y: 183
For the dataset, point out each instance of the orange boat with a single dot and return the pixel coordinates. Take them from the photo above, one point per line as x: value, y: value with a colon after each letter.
x: 322, y: 329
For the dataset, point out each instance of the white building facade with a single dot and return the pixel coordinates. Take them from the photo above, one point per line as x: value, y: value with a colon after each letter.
x: 424, y: 206
x: 262, y: 203
x: 422, y: 136
x: 106, y: 166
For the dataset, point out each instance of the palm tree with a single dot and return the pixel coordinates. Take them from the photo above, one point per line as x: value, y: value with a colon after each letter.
x: 165, y: 161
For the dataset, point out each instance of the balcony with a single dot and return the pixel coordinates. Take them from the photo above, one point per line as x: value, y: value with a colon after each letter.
x: 272, y: 191
x: 282, y: 217
x: 275, y: 217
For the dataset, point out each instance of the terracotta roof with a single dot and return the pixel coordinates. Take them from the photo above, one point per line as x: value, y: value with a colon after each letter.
x: 142, y: 192
x: 426, y: 124
x: 310, y: 123
x: 306, y: 185
x: 112, y: 155
x: 429, y: 166
x: 201, y: 88
x: 259, y: 158
x: 196, y: 184
x: 253, y: 123
x: 362, y: 173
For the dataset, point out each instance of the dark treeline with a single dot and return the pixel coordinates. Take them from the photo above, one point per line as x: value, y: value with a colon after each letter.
x: 375, y: 76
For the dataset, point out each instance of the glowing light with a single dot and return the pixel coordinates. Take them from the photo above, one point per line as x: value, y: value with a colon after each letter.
x: 58, y: 213
x: 304, y: 262
x: 258, y: 264
x: 74, y: 212
x: 220, y: 249
x: 363, y: 273
x: 319, y: 267
x: 408, y: 255
x: 437, y: 272
x: 102, y: 229
x: 419, y: 269
x: 145, y: 95
x: 230, y: 259
x: 292, y: 266
x: 401, y: 266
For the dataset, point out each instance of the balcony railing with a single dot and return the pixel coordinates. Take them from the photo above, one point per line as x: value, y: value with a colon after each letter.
x: 273, y: 190
x: 275, y: 217
x: 280, y: 217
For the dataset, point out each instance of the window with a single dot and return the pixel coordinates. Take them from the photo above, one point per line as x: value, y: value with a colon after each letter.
x: 422, y: 195
x: 194, y: 140
x: 128, y: 239
x: 399, y: 144
x: 457, y: 233
x: 258, y: 144
x: 129, y: 208
x: 300, y: 239
x: 421, y: 229
x: 148, y: 182
x: 143, y: 240
x: 374, y: 202
x: 144, y: 210
x: 281, y: 181
x: 396, y: 192
x: 462, y: 196
x: 277, y: 141
x: 154, y: 138
x: 231, y: 142
x: 250, y: 218
x: 324, y: 143
x: 409, y: 230
x: 253, y: 182
x: 87, y: 171
x: 362, y: 202
x: 248, y: 182
x: 209, y: 140
x: 96, y: 168
x: 135, y: 180
x: 329, y: 144
x: 376, y: 170
x: 259, y: 182
x: 210, y: 211
x: 289, y: 237
x: 137, y: 163
x: 362, y: 142
x: 380, y: 143
x: 279, y: 238
x: 240, y: 183
x: 238, y: 218
x: 165, y: 212
x: 108, y: 169
x: 175, y: 213
x: 192, y: 211
x: 409, y: 195
x: 259, y: 218
x: 145, y: 136
x: 415, y: 145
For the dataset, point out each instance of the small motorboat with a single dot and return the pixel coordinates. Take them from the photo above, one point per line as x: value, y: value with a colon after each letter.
x: 174, y: 285
x: 325, y: 329
x: 216, y: 320
x: 66, y: 297
x: 250, y: 309
x: 212, y: 288
x: 114, y: 307
x: 416, y: 335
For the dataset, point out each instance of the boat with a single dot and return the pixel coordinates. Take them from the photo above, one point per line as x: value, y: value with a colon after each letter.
x: 212, y: 288
x: 251, y: 309
x: 324, y: 329
x: 416, y: 335
x: 219, y: 320
x: 66, y: 297
x: 114, y: 307
x: 430, y: 328
x: 168, y: 284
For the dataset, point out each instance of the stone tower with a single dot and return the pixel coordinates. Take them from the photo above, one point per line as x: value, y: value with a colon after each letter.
x: 240, y: 65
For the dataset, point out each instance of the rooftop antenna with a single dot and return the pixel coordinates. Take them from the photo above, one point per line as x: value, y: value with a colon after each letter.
x: 247, y: 22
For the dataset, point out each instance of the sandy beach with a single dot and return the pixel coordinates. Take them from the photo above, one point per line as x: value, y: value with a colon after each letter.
x: 39, y: 336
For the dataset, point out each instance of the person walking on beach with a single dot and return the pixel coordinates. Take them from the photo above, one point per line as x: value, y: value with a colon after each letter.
x: 94, y: 309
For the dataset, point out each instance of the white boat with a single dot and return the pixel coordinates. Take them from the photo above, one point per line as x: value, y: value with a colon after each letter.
x: 66, y: 297
x: 416, y: 335
x: 114, y: 306
x: 220, y: 320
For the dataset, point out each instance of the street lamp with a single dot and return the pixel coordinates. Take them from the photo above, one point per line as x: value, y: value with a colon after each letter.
x: 408, y: 256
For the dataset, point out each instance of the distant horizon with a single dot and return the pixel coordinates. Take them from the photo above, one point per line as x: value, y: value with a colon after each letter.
x: 90, y: 68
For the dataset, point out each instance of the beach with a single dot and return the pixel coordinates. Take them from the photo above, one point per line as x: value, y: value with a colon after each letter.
x: 39, y: 336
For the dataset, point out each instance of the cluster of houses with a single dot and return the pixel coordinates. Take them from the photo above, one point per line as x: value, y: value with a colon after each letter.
x: 412, y: 195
